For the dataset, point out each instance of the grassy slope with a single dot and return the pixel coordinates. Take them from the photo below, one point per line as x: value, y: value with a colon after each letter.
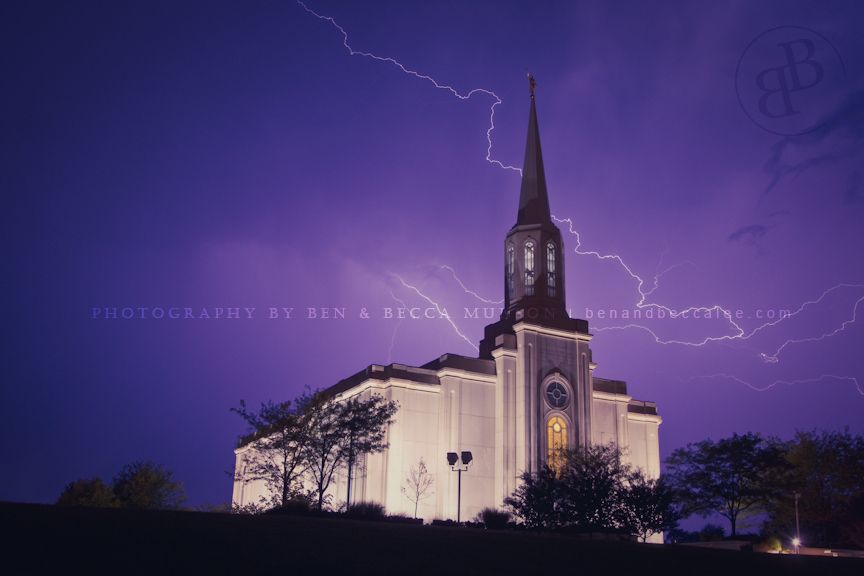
x: 46, y: 539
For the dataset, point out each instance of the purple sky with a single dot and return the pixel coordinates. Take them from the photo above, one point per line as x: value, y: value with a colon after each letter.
x: 227, y: 154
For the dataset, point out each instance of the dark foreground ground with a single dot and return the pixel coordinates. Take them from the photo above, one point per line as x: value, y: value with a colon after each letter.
x: 39, y: 539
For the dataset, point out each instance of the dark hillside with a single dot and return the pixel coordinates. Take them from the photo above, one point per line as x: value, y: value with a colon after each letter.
x: 42, y: 539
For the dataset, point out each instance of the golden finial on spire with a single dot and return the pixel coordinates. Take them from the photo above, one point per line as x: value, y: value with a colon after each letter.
x: 532, y: 84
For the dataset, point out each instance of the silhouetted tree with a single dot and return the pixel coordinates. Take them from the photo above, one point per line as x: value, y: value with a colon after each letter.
x: 278, y: 436
x: 322, y: 453
x: 591, y: 489
x: 363, y: 427
x: 827, y: 470
x: 732, y: 477
x: 417, y: 483
x: 538, y: 501
x: 92, y: 492
x: 648, y: 505
x: 145, y: 485
x: 340, y: 432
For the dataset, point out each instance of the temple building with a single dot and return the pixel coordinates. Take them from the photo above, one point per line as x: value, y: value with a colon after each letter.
x: 531, y: 390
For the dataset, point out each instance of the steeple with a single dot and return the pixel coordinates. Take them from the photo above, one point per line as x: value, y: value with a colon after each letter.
x: 533, y: 198
x: 534, y: 287
x: 534, y: 262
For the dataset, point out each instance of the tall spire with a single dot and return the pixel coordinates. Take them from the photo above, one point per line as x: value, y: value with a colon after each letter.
x: 534, y: 282
x: 533, y: 198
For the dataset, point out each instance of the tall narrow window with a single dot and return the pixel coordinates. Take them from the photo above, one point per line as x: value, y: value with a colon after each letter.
x: 529, y: 268
x: 511, y: 267
x: 556, y: 441
x: 551, y: 272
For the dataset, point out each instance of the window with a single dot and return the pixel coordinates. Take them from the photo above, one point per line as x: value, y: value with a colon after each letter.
x: 551, y: 273
x: 556, y: 395
x: 529, y: 268
x: 511, y: 265
x: 556, y: 441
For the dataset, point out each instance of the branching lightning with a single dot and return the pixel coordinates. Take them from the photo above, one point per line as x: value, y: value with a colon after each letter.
x: 715, y: 309
x: 736, y: 331
x: 739, y: 332
x: 468, y: 290
x: 773, y: 358
x: 655, y: 284
x: 460, y: 95
x: 395, y: 328
x: 442, y: 313
x: 821, y: 378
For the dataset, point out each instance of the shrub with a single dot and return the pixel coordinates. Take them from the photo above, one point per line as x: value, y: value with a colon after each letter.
x: 148, y: 486
x: 88, y: 492
x: 440, y: 522
x: 711, y: 532
x: 366, y: 510
x: 293, y: 507
x: 493, y: 519
x: 402, y: 519
x: 250, y: 508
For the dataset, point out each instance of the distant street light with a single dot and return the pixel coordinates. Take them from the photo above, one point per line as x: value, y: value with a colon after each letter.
x: 452, y: 460
x: 797, y: 540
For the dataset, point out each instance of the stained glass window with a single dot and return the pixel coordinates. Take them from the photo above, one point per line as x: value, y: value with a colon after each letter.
x: 556, y: 395
x: 529, y: 268
x: 551, y: 272
x: 511, y: 265
x: 556, y: 441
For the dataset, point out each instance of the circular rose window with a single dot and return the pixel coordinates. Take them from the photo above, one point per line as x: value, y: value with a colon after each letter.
x: 556, y: 395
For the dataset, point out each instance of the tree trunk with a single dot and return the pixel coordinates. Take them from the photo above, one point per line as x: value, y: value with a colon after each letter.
x: 348, y: 495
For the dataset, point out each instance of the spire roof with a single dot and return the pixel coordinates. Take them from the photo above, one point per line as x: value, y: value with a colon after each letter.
x: 533, y: 198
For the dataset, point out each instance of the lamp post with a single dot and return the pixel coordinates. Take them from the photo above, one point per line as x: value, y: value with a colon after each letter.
x: 797, y: 541
x: 453, y: 460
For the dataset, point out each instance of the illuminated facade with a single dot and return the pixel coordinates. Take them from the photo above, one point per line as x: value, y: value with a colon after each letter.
x: 530, y: 391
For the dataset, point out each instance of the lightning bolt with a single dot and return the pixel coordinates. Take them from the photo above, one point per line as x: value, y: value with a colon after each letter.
x: 821, y: 378
x: 441, y: 312
x: 643, y: 295
x: 466, y: 289
x: 737, y: 331
x: 395, y: 328
x: 460, y: 95
x: 655, y: 284
x: 773, y: 358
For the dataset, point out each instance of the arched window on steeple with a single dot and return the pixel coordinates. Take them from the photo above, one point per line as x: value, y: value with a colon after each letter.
x: 529, y: 268
x: 511, y: 268
x: 551, y: 271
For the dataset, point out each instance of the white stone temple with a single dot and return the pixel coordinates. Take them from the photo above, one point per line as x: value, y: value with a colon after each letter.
x: 531, y: 390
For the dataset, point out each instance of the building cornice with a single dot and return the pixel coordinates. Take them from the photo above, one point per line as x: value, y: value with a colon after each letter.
x: 501, y: 351
x: 624, y: 398
x: 557, y: 332
x: 651, y: 418
x: 466, y: 375
x: 373, y: 383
